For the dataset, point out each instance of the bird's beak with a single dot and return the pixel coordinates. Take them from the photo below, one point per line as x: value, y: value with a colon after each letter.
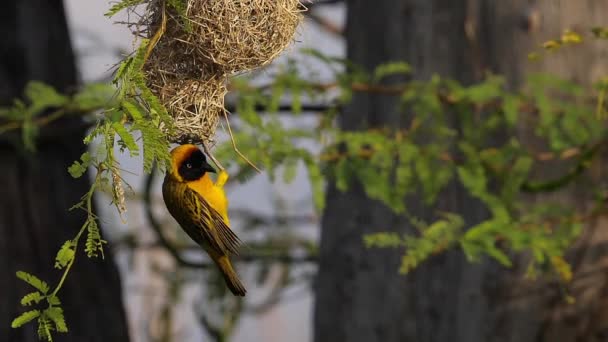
x: 208, y: 168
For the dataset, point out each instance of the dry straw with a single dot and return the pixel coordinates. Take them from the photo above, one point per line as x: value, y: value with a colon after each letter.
x: 240, y: 35
x: 196, y: 106
x: 198, y: 49
x: 192, y: 92
x: 232, y: 35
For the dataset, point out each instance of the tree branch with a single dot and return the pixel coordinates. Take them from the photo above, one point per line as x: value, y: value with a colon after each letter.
x: 582, y: 164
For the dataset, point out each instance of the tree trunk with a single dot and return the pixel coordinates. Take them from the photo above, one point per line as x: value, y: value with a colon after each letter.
x: 359, y: 294
x: 37, y: 190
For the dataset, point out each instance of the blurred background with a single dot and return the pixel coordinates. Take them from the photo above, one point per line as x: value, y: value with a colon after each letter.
x: 309, y: 274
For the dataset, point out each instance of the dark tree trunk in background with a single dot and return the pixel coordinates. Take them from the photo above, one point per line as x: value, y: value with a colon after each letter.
x: 36, y: 190
x: 359, y: 294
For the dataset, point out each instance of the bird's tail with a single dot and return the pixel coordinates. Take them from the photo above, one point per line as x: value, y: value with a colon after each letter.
x: 230, y: 276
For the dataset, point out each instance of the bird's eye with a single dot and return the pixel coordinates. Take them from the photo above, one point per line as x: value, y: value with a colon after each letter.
x: 188, y: 165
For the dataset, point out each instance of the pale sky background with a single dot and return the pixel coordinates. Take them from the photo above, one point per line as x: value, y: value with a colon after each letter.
x: 96, y: 42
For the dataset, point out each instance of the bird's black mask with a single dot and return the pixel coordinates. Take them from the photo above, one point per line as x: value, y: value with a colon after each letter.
x: 194, y: 167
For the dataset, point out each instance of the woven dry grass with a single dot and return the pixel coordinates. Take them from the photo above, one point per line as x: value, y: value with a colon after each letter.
x: 195, y: 105
x: 246, y: 34
x: 233, y: 35
x: 197, y: 51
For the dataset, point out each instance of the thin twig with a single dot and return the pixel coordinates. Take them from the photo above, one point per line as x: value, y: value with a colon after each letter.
x: 234, y: 145
x: 316, y: 3
x: 208, y: 152
x: 159, y: 33
x: 560, y: 182
x: 326, y: 25
x: 41, y: 121
x: 307, y: 108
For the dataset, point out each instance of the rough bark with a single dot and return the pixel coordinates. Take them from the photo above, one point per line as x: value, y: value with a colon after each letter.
x: 36, y: 190
x: 359, y: 294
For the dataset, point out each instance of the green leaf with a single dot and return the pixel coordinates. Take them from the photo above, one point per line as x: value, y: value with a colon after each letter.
x: 516, y: 177
x: 390, y: 69
x: 437, y: 237
x: 290, y: 170
x: 126, y: 139
x: 343, y: 174
x: 44, y: 329
x: 278, y: 89
x: 427, y: 172
x: 114, y: 115
x: 65, y: 255
x: 53, y: 300
x: 25, y: 318
x: 473, y: 178
x: 574, y: 127
x: 317, y: 182
x: 94, y: 96
x: 29, y: 132
x: 43, y: 96
x: 55, y: 314
x: 383, y: 240
x: 79, y: 168
x: 34, y: 281
x: 121, y: 5
x: 483, y: 231
x: 94, y: 243
x: 498, y: 255
x: 296, y: 100
x: 155, y: 145
x: 32, y: 298
x: 510, y: 106
x: 541, y: 84
x: 489, y: 89
x: 481, y: 239
x: 133, y: 109
x: 246, y: 108
x: 120, y: 76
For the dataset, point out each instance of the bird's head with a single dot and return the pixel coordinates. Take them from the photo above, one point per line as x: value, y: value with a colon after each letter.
x: 188, y: 163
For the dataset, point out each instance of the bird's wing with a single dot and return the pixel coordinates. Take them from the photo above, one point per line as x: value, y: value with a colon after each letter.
x: 210, y: 223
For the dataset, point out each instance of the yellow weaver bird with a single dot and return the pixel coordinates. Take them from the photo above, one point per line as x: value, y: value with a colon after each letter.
x: 200, y: 207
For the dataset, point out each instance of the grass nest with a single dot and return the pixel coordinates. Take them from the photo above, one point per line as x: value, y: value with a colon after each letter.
x: 231, y: 35
x: 195, y: 105
x: 199, y: 43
